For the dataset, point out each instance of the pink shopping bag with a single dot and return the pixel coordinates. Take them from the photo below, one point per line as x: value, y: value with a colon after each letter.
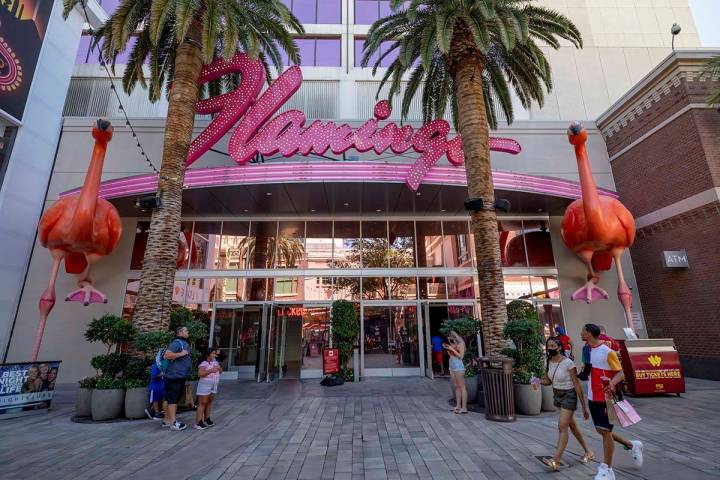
x: 625, y: 413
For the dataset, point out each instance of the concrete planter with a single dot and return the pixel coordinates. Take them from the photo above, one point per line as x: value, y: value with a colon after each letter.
x: 528, y: 400
x: 471, y: 385
x: 547, y: 399
x: 107, y: 404
x: 136, y: 400
x: 83, y: 405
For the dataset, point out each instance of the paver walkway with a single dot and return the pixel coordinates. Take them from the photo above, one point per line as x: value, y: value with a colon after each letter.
x: 399, y: 428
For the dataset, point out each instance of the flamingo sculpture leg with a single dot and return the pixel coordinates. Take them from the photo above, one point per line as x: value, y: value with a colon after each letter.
x: 79, y: 230
x: 598, y: 229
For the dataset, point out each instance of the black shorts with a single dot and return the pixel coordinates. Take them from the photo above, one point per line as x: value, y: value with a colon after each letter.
x: 173, y: 390
x: 599, y: 414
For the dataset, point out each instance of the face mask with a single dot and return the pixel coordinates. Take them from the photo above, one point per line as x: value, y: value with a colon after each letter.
x: 552, y: 351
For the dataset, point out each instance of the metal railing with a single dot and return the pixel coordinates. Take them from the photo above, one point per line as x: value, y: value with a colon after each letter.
x: 92, y: 97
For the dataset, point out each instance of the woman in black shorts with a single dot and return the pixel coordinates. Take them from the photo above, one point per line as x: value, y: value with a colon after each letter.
x: 562, y: 375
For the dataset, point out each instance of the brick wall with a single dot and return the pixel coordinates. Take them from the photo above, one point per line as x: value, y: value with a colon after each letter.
x: 683, y: 304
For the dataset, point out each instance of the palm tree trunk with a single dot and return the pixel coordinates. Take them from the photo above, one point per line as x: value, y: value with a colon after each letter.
x: 152, y: 310
x: 473, y: 127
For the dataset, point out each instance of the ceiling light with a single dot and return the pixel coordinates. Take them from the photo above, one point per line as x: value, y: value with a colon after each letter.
x: 312, y: 210
x: 245, y: 210
x: 379, y: 210
x: 346, y: 204
x: 269, y: 194
x: 418, y: 193
x: 443, y: 210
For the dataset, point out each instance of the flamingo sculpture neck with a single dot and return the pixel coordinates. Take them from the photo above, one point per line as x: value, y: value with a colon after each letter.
x: 591, y: 199
x: 85, y: 211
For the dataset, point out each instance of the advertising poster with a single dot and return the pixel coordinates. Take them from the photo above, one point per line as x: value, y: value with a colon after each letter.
x: 23, y: 24
x: 27, y: 386
x: 331, y: 361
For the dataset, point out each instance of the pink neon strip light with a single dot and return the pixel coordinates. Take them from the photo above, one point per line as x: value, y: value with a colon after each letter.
x: 314, y: 172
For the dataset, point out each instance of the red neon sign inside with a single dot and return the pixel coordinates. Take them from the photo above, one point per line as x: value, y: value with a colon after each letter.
x: 286, y: 133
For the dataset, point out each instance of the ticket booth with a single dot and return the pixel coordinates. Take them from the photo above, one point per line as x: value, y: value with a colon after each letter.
x: 651, y: 366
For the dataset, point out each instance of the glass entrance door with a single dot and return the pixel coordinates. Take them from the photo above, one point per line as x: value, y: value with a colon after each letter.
x: 391, y: 341
x: 434, y: 315
x: 299, y: 333
x: 237, y: 331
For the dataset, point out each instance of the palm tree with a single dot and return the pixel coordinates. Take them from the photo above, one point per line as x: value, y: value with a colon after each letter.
x: 470, y: 54
x: 712, y: 69
x: 174, y: 39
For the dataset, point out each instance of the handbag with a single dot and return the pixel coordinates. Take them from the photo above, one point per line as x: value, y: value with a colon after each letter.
x: 625, y: 413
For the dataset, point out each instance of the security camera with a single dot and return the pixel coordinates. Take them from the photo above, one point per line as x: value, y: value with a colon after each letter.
x: 675, y: 29
x: 148, y: 202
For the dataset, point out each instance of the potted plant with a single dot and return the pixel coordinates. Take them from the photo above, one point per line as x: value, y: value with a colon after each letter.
x: 345, y: 329
x: 84, y: 397
x: 136, y: 398
x: 468, y: 328
x: 108, y: 398
x: 524, y: 329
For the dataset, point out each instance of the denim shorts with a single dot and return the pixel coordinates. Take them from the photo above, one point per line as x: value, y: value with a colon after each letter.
x: 456, y: 365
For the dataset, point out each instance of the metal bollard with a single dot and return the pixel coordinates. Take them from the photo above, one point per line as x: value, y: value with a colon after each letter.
x: 497, y: 377
x: 356, y: 364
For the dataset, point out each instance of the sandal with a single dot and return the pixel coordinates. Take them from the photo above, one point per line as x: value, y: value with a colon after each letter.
x: 462, y: 411
x: 551, y: 463
x: 588, y: 457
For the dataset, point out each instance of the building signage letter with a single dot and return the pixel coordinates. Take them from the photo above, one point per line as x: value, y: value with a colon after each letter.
x: 286, y: 133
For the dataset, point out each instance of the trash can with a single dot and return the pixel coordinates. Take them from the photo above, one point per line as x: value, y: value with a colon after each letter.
x: 497, y: 379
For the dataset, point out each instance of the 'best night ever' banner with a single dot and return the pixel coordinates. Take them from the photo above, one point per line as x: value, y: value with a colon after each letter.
x: 27, y: 386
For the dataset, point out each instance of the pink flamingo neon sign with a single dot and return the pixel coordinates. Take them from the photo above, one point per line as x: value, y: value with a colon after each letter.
x: 286, y: 134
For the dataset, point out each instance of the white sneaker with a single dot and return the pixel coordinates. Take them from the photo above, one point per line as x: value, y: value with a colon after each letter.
x: 637, y: 453
x: 605, y: 473
x: 177, y: 426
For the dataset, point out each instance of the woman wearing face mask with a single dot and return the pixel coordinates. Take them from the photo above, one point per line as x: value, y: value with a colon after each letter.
x: 562, y: 375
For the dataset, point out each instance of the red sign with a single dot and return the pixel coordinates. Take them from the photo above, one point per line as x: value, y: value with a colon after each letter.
x: 331, y: 361
x: 256, y: 133
x: 651, y: 372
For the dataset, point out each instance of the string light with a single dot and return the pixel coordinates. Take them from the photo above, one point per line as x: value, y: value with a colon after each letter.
x: 141, y: 150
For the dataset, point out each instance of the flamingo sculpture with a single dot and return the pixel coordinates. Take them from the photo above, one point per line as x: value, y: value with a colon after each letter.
x: 79, y: 229
x: 598, y: 229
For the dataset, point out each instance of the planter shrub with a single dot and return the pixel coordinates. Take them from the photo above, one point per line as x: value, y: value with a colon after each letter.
x: 108, y: 399
x: 136, y: 398
x: 345, y: 329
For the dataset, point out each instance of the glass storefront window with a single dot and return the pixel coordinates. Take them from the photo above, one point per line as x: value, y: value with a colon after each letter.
x: 402, y: 288
x: 461, y: 287
x: 374, y: 245
x: 346, y: 245
x: 315, y: 336
x: 432, y: 288
x: 205, y: 245
x: 138, y: 252
x: 229, y: 289
x: 237, y: 334
x: 391, y: 338
x: 550, y: 316
x: 544, y: 287
x: 429, y: 244
x: 261, y: 245
x: 319, y: 244
x: 538, y: 243
x: 512, y: 245
x: 375, y: 288
x: 318, y: 288
x: 258, y: 289
x: 346, y: 288
x: 291, y: 245
x: 517, y: 286
x: 199, y: 292
x: 287, y: 289
x: 456, y: 245
x: 234, y: 246
x: 402, y: 244
x: 315, y: 11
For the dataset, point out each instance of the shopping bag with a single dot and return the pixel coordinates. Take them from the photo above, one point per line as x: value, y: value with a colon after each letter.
x: 625, y: 413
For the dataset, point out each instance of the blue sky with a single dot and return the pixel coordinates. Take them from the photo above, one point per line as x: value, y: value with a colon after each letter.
x: 707, y: 20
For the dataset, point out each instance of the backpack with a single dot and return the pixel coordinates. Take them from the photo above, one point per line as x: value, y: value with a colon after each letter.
x: 160, y: 360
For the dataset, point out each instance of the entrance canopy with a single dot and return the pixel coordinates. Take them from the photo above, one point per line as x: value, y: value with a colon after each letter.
x: 338, y: 188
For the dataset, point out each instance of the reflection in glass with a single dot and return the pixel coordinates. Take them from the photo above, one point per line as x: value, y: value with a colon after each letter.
x: 538, y: 243
x: 512, y: 246
x: 456, y: 245
x: 550, y: 315
x: 259, y: 247
x: 230, y: 289
x: 138, y: 252
x: 131, y: 291
x: 237, y: 334
x: 545, y: 286
x: 316, y: 321
x: 346, y: 245
x: 291, y: 244
x: 346, y: 288
x: 205, y: 245
x: 257, y: 289
x: 402, y: 288
x: 402, y: 244
x: 318, y: 288
x: 140, y: 243
x: 516, y: 286
x: 374, y: 245
x: 429, y: 244
x: 375, y: 288
x: 460, y: 287
x: 198, y: 292
x: 432, y: 288
x: 318, y: 244
x: 391, y: 338
x: 287, y: 289
x: 233, y: 246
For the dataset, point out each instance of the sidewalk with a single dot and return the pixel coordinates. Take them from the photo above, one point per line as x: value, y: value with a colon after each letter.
x: 395, y: 428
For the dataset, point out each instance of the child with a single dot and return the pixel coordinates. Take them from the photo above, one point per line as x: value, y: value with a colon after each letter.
x: 209, y: 372
x: 156, y: 391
